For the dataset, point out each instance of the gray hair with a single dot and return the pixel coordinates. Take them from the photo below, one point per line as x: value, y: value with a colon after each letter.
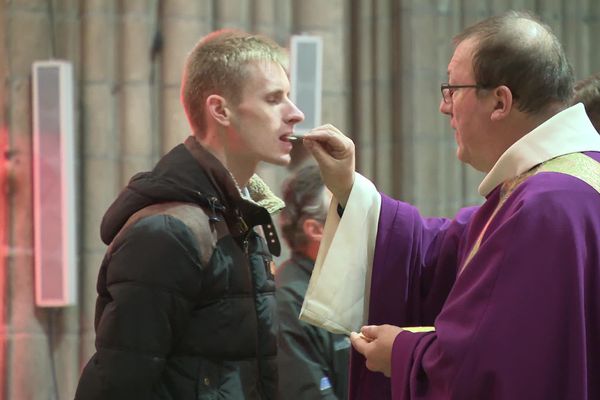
x: 587, y: 91
x: 304, y: 199
x: 517, y: 50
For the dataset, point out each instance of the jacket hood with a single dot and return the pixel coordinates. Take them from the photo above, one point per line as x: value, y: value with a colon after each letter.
x: 189, y: 173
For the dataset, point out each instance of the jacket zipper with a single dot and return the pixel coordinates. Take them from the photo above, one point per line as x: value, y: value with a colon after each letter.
x: 213, y: 203
x: 246, y: 245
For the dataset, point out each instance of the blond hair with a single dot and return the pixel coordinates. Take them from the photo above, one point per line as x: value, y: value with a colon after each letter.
x: 216, y: 65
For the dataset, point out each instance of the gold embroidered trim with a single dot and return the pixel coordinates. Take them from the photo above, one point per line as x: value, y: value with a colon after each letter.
x: 417, y: 329
x: 577, y: 165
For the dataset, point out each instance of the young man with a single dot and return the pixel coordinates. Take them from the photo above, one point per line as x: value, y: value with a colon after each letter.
x: 186, y: 300
x: 510, y: 289
x: 313, y: 363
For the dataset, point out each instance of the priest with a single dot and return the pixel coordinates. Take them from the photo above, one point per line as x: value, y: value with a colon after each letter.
x: 501, y: 301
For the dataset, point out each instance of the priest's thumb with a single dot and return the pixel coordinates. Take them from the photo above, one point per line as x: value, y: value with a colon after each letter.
x: 358, y: 342
x: 370, y: 332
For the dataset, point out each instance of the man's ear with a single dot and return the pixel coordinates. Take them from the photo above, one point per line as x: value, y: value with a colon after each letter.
x: 216, y: 106
x: 503, y: 102
x: 312, y: 229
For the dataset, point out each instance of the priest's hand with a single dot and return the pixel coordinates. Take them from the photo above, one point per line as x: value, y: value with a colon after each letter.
x: 375, y: 342
x: 334, y: 153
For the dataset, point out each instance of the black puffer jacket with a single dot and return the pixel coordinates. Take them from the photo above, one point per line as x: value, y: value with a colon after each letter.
x: 186, y: 306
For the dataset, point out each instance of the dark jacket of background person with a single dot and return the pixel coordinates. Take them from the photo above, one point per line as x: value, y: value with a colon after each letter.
x: 187, y: 271
x: 313, y: 363
x: 307, y: 354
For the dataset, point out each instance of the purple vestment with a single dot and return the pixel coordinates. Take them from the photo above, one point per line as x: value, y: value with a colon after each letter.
x: 521, y: 321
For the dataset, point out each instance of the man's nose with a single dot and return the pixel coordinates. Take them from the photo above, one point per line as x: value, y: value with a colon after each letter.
x: 445, y: 108
x: 294, y: 115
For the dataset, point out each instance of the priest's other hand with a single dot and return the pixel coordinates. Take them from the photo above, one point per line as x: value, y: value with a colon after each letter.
x: 334, y: 153
x: 375, y: 342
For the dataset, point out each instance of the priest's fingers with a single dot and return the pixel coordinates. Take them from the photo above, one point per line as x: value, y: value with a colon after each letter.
x: 334, y: 152
x: 334, y: 143
x: 359, y: 342
x: 377, y: 351
x: 365, y: 338
x: 370, y: 331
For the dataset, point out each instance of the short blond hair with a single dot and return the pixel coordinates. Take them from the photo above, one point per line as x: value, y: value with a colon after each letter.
x: 216, y: 65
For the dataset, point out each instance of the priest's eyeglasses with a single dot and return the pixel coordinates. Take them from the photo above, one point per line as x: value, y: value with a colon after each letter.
x: 448, y: 90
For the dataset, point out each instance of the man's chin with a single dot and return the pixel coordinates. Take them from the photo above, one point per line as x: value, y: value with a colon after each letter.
x: 459, y: 154
x: 282, y: 161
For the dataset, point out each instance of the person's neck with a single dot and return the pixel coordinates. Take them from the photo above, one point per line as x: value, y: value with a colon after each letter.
x: 311, y: 250
x: 518, y: 126
x: 241, y: 174
x: 240, y: 167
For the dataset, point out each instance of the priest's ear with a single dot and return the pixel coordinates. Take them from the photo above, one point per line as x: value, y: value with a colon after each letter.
x: 313, y: 229
x: 503, y: 102
x: 217, y: 109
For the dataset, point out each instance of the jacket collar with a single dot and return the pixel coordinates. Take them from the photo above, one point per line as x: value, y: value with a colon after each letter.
x: 258, y: 191
x: 569, y: 131
x: 239, y: 212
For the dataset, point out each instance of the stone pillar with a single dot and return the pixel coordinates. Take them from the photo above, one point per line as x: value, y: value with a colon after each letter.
x: 233, y: 14
x: 139, y: 139
x: 41, y: 356
x: 101, y: 147
x: 3, y: 195
x: 183, y: 24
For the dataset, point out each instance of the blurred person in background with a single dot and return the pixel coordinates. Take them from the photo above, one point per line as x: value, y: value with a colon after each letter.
x: 313, y: 363
x: 587, y: 91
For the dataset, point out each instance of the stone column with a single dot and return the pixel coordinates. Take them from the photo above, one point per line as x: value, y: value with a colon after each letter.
x: 183, y: 24
x: 41, y: 357
x: 139, y: 138
x: 100, y: 148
